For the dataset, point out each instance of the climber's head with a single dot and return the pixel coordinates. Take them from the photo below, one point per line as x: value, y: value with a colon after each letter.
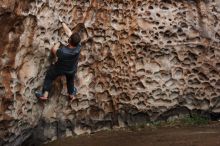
x: 74, y: 39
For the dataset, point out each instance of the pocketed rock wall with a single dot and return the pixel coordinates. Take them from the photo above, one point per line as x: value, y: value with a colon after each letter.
x: 141, y: 60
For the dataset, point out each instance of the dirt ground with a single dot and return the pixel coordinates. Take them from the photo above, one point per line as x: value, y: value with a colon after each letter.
x: 208, y: 135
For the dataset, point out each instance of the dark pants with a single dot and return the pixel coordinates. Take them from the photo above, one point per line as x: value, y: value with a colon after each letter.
x: 53, y: 73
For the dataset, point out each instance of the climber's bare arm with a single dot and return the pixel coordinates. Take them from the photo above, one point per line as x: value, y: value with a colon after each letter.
x: 55, y: 48
x: 66, y: 29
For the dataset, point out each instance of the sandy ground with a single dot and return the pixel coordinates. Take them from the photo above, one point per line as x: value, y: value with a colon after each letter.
x: 208, y: 135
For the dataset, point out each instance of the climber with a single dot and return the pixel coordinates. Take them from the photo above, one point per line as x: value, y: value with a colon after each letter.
x: 66, y: 64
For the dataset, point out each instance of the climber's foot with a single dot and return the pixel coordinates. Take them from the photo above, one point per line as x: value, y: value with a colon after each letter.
x: 41, y: 96
x: 72, y: 97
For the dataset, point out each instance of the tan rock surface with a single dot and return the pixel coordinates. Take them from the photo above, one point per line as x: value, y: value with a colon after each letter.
x: 140, y: 61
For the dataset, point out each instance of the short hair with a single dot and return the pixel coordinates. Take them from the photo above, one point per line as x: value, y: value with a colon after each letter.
x: 74, y: 39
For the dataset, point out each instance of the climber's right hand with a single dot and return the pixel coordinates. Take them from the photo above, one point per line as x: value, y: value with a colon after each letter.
x: 60, y: 19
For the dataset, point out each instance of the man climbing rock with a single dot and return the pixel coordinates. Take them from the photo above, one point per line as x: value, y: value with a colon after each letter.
x: 66, y: 64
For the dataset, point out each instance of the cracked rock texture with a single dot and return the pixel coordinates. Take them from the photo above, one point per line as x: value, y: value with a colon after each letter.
x: 141, y: 60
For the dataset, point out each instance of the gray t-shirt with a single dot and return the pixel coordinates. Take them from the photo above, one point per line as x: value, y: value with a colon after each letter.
x: 68, y: 58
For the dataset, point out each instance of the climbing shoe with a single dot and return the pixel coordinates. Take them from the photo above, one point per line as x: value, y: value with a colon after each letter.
x: 40, y: 95
x: 73, y: 95
x: 74, y: 91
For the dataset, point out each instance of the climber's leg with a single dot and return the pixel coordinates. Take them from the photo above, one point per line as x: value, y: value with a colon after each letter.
x: 70, y: 85
x: 51, y: 75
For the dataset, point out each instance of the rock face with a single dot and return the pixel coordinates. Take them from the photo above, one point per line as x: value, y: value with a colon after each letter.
x: 141, y: 60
